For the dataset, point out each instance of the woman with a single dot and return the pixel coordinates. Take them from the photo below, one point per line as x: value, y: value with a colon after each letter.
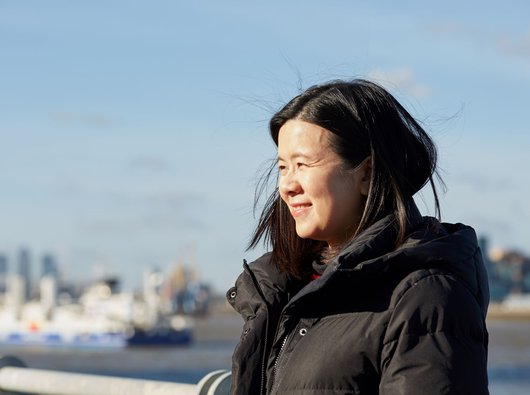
x: 360, y: 294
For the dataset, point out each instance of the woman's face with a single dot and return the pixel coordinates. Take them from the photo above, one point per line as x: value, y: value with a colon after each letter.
x: 325, y: 200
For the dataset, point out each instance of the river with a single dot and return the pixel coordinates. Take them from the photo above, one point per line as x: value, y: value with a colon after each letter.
x: 216, y: 336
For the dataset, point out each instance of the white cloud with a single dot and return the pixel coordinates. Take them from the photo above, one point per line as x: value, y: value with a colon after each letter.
x: 182, y: 200
x: 518, y: 47
x: 98, y: 120
x: 150, y: 163
x: 482, y: 183
x: 403, y: 80
x: 509, y: 45
x: 141, y: 224
x: 454, y: 28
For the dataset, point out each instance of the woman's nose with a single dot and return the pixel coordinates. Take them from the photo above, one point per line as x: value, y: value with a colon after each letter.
x: 288, y: 184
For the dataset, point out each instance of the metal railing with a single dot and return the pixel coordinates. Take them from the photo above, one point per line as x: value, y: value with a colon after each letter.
x: 16, y: 378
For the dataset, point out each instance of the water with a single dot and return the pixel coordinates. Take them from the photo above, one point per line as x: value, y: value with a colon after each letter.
x: 509, y: 356
x: 215, y: 340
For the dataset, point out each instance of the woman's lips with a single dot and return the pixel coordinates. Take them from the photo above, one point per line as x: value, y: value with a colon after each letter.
x: 299, y: 209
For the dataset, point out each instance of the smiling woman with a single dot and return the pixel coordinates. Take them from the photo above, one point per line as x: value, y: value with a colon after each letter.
x: 360, y: 294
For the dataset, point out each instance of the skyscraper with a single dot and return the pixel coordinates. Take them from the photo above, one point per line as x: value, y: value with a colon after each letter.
x: 24, y: 270
x: 49, y: 266
x: 3, y: 273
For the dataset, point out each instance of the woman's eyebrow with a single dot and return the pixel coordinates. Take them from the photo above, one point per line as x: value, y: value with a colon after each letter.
x: 295, y: 155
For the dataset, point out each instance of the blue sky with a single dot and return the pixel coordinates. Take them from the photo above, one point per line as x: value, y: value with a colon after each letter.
x: 133, y: 132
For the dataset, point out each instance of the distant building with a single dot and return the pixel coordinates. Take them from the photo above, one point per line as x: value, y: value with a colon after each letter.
x: 24, y: 270
x: 515, y: 268
x: 3, y: 273
x: 508, y: 271
x: 499, y: 286
x: 49, y: 266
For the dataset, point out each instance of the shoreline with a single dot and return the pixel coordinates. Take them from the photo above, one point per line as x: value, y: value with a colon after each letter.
x: 498, y: 311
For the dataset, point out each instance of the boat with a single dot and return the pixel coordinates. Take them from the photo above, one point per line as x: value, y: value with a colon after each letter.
x: 176, y: 331
x: 100, y: 318
x: 67, y: 326
x: 77, y: 330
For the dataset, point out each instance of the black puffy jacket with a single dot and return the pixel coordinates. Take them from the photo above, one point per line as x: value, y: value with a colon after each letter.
x: 379, y: 320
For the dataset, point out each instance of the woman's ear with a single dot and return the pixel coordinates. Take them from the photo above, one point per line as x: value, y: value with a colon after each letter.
x: 365, y: 175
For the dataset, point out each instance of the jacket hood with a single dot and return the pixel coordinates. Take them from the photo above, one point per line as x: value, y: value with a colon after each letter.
x: 428, y: 244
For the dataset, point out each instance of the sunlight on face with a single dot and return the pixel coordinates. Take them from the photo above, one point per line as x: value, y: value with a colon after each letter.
x: 325, y: 200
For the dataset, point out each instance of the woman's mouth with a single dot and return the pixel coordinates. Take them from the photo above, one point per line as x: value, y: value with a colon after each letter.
x: 298, y: 210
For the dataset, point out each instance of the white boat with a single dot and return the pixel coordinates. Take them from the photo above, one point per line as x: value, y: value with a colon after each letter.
x: 100, y: 319
x: 67, y: 326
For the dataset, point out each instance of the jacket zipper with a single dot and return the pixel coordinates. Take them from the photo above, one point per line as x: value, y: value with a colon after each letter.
x: 280, y: 354
x: 275, y: 381
x: 263, y: 365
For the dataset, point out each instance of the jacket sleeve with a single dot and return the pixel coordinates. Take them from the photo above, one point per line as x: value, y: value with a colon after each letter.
x: 436, y: 341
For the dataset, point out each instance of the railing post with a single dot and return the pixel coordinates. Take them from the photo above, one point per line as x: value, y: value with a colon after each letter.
x: 215, y: 383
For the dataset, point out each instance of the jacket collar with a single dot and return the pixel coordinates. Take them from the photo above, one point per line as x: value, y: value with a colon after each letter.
x: 376, y: 240
x: 362, y: 253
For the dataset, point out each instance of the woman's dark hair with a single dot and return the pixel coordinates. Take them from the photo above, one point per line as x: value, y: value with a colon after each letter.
x: 365, y: 121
